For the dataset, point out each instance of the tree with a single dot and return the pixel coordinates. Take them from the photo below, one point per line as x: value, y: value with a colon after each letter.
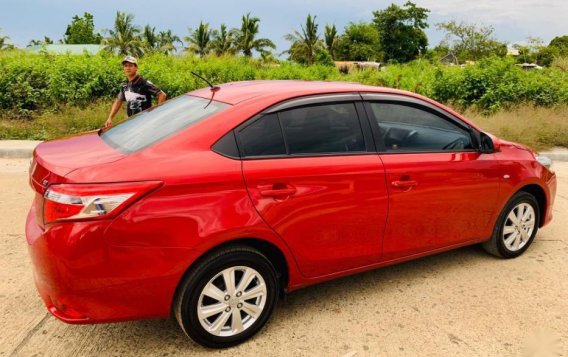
x: 167, y: 41
x: 525, y: 55
x: 124, y: 39
x: 163, y: 41
x: 4, y: 46
x: 471, y: 42
x: 305, y: 43
x: 331, y: 39
x: 401, y: 31
x: 360, y: 42
x: 223, y: 41
x: 82, y: 31
x: 46, y: 41
x: 149, y: 38
x: 546, y: 55
x: 246, y: 40
x: 561, y: 44
x: 199, y: 40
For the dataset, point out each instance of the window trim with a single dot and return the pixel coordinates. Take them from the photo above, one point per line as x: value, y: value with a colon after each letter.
x: 370, y: 98
x: 310, y: 101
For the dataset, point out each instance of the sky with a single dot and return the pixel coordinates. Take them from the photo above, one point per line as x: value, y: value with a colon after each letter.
x: 513, y: 20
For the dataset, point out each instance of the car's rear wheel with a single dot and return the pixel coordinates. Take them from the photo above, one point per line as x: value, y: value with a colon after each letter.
x: 227, y: 298
x: 516, y: 227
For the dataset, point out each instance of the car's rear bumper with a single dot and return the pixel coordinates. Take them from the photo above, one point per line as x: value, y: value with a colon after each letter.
x: 82, y: 279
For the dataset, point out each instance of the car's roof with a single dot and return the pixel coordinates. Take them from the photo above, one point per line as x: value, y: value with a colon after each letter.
x: 273, y: 91
x: 236, y: 92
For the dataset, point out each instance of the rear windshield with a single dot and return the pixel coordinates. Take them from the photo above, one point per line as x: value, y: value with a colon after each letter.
x: 155, y: 124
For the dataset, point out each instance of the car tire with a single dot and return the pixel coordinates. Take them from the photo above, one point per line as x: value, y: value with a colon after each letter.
x: 218, y: 312
x: 511, y: 236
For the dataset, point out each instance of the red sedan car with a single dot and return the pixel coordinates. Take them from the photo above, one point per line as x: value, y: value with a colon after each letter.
x: 210, y: 206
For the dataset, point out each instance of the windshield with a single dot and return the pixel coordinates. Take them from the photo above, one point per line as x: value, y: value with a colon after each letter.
x: 155, y: 124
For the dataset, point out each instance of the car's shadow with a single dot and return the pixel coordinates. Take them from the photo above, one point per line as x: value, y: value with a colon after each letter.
x: 165, y: 336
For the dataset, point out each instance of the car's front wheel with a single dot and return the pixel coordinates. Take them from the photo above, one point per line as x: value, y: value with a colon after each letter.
x: 516, y: 227
x: 227, y: 298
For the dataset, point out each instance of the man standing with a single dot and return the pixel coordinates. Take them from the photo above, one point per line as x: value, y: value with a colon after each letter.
x: 137, y: 92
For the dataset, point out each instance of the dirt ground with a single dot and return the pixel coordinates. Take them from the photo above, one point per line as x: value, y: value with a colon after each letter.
x: 459, y: 303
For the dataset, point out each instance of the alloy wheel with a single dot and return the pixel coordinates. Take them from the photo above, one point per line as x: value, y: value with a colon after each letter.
x: 232, y: 301
x: 519, y: 226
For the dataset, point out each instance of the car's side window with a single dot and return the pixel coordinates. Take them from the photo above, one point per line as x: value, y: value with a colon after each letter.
x: 263, y: 137
x: 326, y: 128
x: 406, y: 128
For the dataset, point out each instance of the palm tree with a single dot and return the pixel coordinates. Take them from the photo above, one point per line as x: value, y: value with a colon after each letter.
x: 46, y: 41
x: 223, y: 41
x: 166, y: 42
x: 149, y: 38
x: 246, y: 41
x: 124, y: 39
x: 3, y: 45
x: 331, y: 39
x: 305, y: 44
x: 199, y: 40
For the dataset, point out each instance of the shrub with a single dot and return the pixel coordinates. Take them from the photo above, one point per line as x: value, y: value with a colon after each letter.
x: 35, y: 83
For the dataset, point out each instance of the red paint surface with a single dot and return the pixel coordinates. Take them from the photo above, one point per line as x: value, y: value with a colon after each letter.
x: 329, y: 216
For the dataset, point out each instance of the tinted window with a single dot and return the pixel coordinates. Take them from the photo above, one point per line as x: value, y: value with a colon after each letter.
x: 263, y: 137
x: 157, y: 123
x: 332, y: 128
x: 407, y: 128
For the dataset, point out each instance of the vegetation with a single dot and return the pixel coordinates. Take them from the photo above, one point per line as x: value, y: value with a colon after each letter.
x: 305, y: 44
x: 44, y: 95
x: 395, y: 35
x: 539, y: 127
x: 331, y: 39
x: 401, y: 31
x: 560, y: 44
x: 199, y: 40
x: 223, y: 41
x: 82, y: 31
x: 162, y: 42
x: 246, y: 39
x: 46, y: 41
x: 470, y: 41
x: 359, y: 42
x: 4, y: 45
x: 42, y: 82
x: 124, y: 39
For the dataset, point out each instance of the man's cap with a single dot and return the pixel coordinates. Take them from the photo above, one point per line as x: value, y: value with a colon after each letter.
x: 130, y: 59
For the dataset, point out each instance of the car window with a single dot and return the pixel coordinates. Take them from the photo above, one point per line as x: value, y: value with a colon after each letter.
x: 408, y: 128
x: 263, y: 137
x: 329, y: 128
x: 155, y: 124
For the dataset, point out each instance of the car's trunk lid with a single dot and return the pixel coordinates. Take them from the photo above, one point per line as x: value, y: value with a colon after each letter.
x: 53, y: 160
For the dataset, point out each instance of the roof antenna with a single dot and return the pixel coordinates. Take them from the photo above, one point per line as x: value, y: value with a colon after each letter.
x: 214, y: 89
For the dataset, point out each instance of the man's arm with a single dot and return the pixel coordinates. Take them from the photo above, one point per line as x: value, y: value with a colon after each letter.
x: 161, y: 97
x: 115, y: 108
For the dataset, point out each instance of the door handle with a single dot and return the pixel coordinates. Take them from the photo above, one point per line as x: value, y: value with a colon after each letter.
x: 404, y: 184
x: 277, y: 190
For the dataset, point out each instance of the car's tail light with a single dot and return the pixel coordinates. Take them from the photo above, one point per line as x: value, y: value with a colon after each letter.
x: 66, y: 202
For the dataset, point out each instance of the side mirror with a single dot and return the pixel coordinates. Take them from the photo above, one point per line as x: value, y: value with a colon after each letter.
x: 489, y: 144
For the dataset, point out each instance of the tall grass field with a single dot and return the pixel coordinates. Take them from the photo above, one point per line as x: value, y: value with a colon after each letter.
x: 43, y: 96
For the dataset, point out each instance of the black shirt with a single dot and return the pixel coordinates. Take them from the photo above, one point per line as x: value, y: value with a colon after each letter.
x: 138, y: 95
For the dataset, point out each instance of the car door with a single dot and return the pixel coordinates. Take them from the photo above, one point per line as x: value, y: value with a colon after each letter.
x: 313, y: 175
x: 442, y: 191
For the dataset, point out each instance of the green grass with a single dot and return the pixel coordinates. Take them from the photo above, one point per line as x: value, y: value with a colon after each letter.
x: 34, y: 83
x: 66, y: 120
x: 538, y: 127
